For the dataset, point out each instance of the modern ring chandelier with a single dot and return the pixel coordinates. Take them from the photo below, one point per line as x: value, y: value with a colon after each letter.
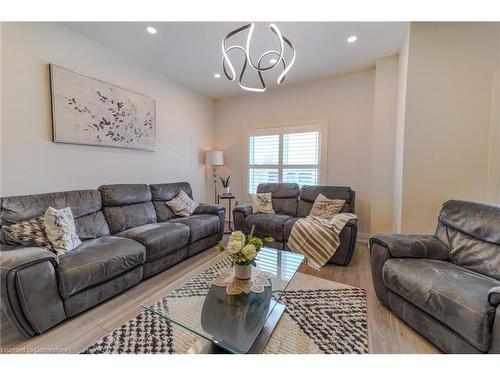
x: 278, y: 57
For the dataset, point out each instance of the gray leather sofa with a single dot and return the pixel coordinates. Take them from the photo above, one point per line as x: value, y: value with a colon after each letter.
x: 128, y: 233
x: 446, y: 286
x: 291, y: 203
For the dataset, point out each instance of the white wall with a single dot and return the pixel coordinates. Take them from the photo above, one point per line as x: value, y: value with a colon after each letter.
x: 1, y: 178
x: 493, y: 184
x: 383, y: 140
x: 447, y: 118
x: 32, y: 163
x: 399, y: 138
x: 346, y: 102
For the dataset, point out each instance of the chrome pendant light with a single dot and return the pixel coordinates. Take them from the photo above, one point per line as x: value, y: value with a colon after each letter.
x: 278, y: 57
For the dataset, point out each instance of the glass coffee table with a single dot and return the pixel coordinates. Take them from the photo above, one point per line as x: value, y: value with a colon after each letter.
x: 236, y: 324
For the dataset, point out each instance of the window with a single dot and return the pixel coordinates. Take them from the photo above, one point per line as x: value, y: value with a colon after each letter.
x: 291, y: 154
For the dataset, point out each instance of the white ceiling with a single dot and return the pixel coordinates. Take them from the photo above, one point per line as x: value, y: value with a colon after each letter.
x: 190, y: 52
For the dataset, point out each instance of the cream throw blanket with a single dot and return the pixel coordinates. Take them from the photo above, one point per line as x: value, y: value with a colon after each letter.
x: 316, y: 238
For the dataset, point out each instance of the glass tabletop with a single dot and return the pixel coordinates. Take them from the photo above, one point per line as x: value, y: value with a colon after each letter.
x: 231, y: 322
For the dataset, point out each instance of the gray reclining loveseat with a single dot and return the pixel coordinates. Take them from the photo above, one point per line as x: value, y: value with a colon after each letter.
x: 128, y: 233
x: 446, y: 286
x: 291, y: 203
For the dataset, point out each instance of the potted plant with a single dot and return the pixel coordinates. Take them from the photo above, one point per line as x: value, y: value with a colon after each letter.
x: 225, y: 184
x: 243, y: 250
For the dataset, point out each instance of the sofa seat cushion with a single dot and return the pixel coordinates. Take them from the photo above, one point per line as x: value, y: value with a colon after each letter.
x: 201, y: 226
x: 96, y: 261
x: 268, y: 224
x: 453, y: 295
x: 160, y: 239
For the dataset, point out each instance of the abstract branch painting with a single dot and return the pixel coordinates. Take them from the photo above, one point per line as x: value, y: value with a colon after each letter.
x: 92, y: 112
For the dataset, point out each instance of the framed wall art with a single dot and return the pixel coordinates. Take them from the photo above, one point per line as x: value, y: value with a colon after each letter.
x: 89, y: 111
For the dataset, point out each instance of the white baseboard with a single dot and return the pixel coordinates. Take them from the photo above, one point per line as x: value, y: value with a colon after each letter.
x: 363, y: 237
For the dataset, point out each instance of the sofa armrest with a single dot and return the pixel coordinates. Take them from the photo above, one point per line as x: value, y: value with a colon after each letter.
x: 211, y: 209
x: 214, y: 209
x: 345, y: 251
x: 352, y: 223
x: 12, y: 257
x: 494, y: 296
x: 29, y: 289
x: 240, y: 214
x: 412, y: 246
x: 245, y: 209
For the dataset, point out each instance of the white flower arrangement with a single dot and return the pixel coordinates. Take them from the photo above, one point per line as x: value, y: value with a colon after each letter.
x: 243, y: 249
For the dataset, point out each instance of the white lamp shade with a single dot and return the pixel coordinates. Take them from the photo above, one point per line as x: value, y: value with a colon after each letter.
x: 214, y: 157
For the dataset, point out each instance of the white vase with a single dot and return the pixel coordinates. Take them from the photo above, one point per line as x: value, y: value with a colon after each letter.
x: 243, y: 272
x: 226, y: 190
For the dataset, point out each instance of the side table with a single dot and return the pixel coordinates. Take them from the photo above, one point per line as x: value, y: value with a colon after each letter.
x: 230, y: 198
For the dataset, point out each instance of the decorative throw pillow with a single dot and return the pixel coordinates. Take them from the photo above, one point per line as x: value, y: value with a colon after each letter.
x: 182, y: 204
x: 61, y: 230
x: 28, y: 233
x: 262, y: 203
x: 325, y: 208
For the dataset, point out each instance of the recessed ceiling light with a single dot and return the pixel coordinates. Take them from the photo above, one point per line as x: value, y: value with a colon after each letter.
x: 151, y: 30
x: 352, y: 39
x: 217, y: 75
x: 273, y: 61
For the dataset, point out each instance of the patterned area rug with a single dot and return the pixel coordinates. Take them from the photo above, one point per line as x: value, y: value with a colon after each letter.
x: 321, y: 316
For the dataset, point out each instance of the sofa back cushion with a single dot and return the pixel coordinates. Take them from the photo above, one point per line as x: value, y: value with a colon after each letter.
x: 285, y: 196
x: 162, y: 193
x: 472, y: 233
x: 127, y: 206
x: 85, y: 206
x: 308, y: 195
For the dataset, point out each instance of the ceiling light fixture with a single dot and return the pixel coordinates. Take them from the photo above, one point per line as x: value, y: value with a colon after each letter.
x: 151, y: 30
x: 352, y: 39
x: 279, y: 57
x: 217, y: 75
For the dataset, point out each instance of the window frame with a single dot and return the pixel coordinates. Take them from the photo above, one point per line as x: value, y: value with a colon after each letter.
x: 320, y: 126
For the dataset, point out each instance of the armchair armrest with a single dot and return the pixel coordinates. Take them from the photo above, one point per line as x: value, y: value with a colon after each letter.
x: 214, y: 209
x: 384, y: 247
x: 240, y: 214
x: 495, y: 333
x: 494, y: 296
x: 412, y: 246
x: 29, y: 289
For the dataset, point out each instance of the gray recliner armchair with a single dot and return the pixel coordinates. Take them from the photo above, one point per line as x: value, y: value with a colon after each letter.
x: 446, y: 286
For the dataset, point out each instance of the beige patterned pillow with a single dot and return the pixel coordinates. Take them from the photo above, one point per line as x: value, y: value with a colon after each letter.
x: 262, y: 203
x: 61, y: 230
x: 28, y: 233
x: 325, y: 208
x: 182, y: 204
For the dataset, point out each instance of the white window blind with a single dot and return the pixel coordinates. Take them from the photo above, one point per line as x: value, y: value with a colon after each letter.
x: 286, y: 155
x: 264, y: 150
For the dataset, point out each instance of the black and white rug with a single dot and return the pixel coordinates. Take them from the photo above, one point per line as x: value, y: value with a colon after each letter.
x: 321, y: 316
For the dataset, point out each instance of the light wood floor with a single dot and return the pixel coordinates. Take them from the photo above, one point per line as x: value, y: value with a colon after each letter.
x: 387, y: 333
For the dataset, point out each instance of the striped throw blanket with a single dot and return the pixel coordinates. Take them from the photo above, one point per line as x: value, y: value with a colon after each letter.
x: 317, y: 238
